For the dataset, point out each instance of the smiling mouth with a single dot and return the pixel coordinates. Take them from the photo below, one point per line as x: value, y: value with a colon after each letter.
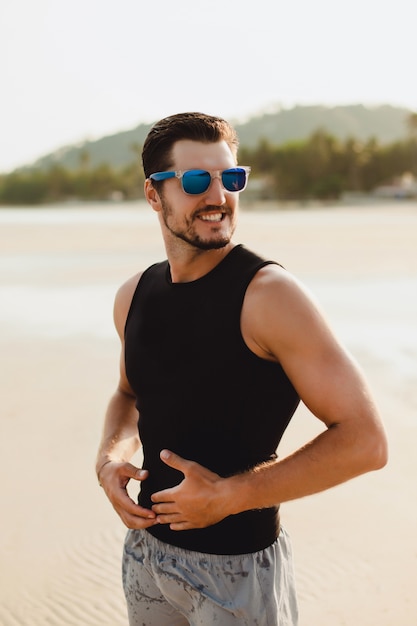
x: 212, y: 217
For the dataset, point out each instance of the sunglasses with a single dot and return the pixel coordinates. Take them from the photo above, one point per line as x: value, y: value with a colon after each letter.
x: 195, y: 182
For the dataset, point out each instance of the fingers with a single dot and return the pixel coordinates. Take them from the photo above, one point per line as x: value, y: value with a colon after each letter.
x: 181, y: 526
x: 139, y: 518
x: 134, y: 472
x: 133, y: 515
x: 165, y: 508
x: 121, y: 500
x: 175, y: 461
x: 115, y: 480
x: 162, y: 496
x: 124, y: 472
x: 166, y: 514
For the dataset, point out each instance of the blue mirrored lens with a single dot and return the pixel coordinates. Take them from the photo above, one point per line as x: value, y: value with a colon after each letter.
x: 196, y: 181
x: 234, y: 179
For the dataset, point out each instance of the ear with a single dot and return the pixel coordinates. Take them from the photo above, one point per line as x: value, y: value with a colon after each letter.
x: 152, y: 196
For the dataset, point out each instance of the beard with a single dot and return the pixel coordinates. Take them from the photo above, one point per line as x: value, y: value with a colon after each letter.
x: 188, y: 233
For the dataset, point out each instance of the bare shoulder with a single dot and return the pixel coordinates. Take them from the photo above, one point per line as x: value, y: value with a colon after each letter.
x: 274, y: 281
x: 282, y: 322
x: 123, y: 301
x: 279, y: 312
x: 270, y: 278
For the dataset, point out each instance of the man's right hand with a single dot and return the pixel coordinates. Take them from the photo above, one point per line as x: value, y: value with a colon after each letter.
x: 114, y: 478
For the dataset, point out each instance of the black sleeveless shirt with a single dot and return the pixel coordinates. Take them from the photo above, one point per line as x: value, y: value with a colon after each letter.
x: 203, y: 394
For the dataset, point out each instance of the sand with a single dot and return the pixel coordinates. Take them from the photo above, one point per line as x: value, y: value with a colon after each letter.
x: 355, y: 546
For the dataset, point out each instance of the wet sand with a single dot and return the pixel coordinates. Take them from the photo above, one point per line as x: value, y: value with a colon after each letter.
x: 355, y: 546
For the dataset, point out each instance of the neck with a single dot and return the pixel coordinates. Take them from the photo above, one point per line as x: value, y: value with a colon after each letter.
x: 192, y: 264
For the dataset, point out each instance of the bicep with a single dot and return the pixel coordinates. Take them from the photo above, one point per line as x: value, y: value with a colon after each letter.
x: 291, y: 328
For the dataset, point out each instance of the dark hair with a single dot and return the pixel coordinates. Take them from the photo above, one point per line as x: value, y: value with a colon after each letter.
x: 157, y: 149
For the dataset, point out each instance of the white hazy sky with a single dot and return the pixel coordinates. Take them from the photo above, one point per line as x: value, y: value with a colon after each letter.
x: 80, y: 69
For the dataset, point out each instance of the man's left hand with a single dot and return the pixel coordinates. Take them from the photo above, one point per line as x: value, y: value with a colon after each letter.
x: 196, y: 502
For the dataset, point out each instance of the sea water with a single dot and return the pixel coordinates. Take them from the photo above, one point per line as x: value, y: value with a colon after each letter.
x: 373, y: 315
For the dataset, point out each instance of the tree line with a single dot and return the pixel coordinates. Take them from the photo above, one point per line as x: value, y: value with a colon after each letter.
x: 320, y: 167
x: 58, y: 184
x: 323, y: 167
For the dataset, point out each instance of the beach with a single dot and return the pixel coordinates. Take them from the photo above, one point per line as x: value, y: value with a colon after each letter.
x: 355, y: 546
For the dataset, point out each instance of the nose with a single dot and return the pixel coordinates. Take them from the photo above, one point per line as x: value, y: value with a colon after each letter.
x: 215, y: 194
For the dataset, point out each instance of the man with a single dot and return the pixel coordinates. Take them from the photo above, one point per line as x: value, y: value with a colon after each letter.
x: 218, y: 347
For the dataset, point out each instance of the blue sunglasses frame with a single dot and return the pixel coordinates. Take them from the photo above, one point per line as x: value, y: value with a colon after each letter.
x: 196, y: 182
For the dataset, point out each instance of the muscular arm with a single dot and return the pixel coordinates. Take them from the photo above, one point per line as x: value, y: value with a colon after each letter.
x: 120, y: 438
x: 293, y: 331
x: 280, y: 322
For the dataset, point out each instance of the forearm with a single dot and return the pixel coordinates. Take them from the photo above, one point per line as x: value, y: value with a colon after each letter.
x: 120, y: 438
x: 335, y: 456
x: 119, y: 442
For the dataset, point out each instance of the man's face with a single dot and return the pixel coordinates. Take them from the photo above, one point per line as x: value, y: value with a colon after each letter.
x: 205, y: 221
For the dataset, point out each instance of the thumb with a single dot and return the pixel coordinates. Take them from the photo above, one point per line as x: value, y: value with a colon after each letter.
x: 131, y: 471
x: 175, y: 461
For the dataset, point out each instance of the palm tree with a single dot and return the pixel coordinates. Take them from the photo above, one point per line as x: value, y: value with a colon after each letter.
x: 412, y: 131
x: 84, y: 160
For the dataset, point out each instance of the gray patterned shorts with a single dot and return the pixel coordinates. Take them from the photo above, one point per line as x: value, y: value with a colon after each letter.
x: 169, y: 586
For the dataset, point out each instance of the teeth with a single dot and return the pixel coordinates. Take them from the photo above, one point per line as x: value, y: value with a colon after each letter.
x: 213, y: 217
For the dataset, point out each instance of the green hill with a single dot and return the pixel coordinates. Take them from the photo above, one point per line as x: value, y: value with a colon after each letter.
x: 385, y: 123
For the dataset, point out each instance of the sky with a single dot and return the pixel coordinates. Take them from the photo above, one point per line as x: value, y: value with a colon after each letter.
x: 71, y: 71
